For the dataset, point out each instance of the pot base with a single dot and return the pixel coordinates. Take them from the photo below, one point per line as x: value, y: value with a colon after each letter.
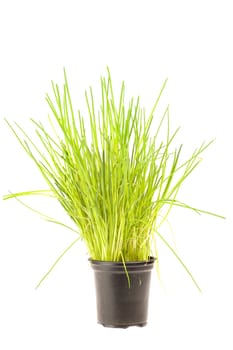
x: 124, y: 326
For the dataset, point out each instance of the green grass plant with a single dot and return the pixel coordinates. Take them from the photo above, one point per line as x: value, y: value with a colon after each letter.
x: 115, y: 174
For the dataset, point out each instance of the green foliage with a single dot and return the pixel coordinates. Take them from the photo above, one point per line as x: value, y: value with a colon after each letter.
x: 112, y: 172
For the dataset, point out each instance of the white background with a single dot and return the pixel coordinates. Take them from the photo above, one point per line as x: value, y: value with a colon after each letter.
x: 143, y: 42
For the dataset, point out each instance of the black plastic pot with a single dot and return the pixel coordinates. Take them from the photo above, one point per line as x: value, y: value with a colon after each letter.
x: 118, y: 304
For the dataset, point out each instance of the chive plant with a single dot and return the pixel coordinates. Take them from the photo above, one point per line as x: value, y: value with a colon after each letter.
x: 113, y: 174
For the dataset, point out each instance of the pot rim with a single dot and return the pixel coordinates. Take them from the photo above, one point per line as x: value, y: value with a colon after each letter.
x: 119, y: 266
x: 151, y: 260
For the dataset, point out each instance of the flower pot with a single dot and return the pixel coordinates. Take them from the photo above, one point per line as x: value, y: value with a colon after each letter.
x: 120, y: 304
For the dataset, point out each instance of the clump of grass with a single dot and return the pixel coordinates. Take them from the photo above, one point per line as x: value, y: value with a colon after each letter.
x: 116, y: 179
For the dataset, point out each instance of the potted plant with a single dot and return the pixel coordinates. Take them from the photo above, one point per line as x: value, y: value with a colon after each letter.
x: 115, y: 176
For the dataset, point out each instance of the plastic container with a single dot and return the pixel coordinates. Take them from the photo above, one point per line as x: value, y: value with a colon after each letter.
x: 118, y: 304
